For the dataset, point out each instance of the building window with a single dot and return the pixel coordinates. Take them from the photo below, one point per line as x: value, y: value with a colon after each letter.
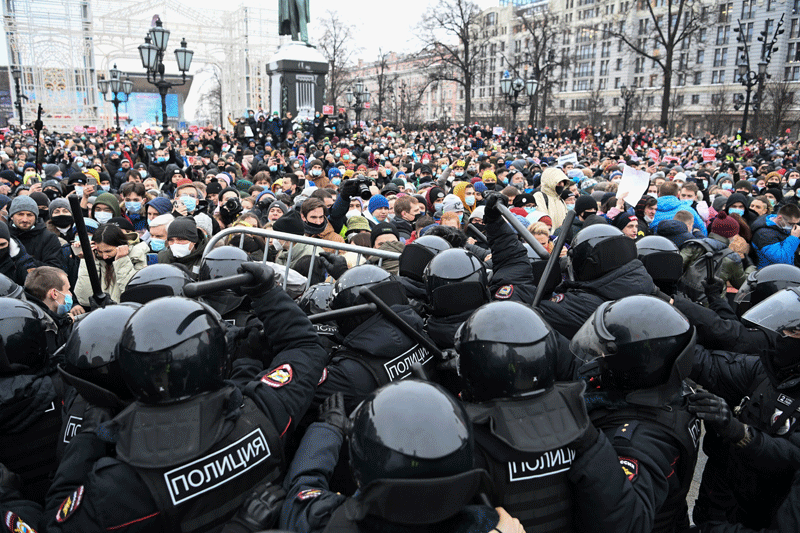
x: 723, y: 35
x: 748, y: 9
x: 720, y: 57
x: 615, y: 101
x: 695, y: 99
x: 651, y: 100
x: 725, y: 13
x: 698, y: 78
x: 701, y: 54
x: 616, y: 83
x: 717, y: 76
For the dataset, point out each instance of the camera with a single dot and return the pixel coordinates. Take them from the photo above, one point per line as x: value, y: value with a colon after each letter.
x: 230, y: 210
x: 363, y: 187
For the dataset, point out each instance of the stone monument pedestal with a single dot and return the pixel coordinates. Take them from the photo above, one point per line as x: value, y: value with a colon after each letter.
x: 297, y: 80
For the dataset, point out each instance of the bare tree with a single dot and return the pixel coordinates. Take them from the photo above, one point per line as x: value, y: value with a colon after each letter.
x: 675, y: 108
x: 209, y: 104
x: 336, y: 46
x: 779, y: 110
x: 384, y: 81
x: 657, y: 36
x: 718, y: 122
x: 595, y: 106
x: 451, y: 36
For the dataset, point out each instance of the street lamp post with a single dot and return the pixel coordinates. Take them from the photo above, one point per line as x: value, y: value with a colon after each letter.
x: 748, y: 77
x: 357, y: 96
x: 115, y: 87
x: 16, y: 73
x: 152, y: 55
x: 628, y: 94
x: 511, y: 89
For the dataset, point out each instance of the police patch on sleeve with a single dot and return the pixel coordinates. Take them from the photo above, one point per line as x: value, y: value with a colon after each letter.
x: 558, y: 298
x: 15, y: 524
x: 630, y: 467
x: 278, y: 377
x: 504, y: 292
x: 308, y: 494
x: 70, y: 505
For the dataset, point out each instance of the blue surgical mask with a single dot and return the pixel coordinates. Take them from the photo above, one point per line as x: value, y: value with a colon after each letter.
x: 79, y: 190
x: 79, y: 163
x: 459, y: 173
x: 189, y: 202
x: 727, y: 186
x: 469, y: 200
x: 106, y: 187
x: 102, y: 217
x: 444, y: 166
x: 736, y: 211
x: 143, y: 173
x: 316, y: 172
x: 64, y: 308
x: 157, y: 244
x: 460, y: 217
x: 273, y: 168
x: 529, y: 210
x: 336, y: 181
x: 570, y: 207
x: 160, y: 159
x: 133, y: 207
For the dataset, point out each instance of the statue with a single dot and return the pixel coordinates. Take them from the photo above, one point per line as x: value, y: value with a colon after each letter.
x: 293, y: 19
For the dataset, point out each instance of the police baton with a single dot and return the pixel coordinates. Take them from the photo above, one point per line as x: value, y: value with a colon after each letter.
x: 99, y: 298
x: 476, y: 234
x: 334, y: 314
x: 554, y: 257
x: 522, y: 230
x: 196, y: 289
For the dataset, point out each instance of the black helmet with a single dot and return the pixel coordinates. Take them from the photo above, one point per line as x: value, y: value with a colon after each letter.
x: 763, y: 283
x: 346, y: 293
x: 316, y: 299
x: 662, y: 260
x: 8, y: 288
x: 506, y: 349
x: 172, y: 349
x: 416, y: 256
x: 27, y: 336
x: 538, y: 265
x: 456, y: 281
x: 599, y: 249
x: 638, y: 342
x: 409, y: 430
x: 780, y: 315
x: 222, y: 262
x: 156, y: 281
x: 90, y: 355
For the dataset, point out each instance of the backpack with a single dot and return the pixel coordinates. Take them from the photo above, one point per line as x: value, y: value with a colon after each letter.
x: 705, y: 267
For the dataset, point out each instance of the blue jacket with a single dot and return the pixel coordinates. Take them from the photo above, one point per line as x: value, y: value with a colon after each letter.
x: 669, y: 205
x: 772, y: 243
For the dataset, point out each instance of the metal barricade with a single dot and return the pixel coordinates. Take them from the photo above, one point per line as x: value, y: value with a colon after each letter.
x: 268, y: 235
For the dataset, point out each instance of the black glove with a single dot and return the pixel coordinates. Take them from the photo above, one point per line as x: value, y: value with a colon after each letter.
x: 335, y: 264
x: 260, y: 511
x: 716, y: 413
x: 263, y: 279
x: 332, y: 412
x: 491, y: 213
x: 93, y: 419
x: 349, y: 189
x: 8, y: 479
x: 713, y: 289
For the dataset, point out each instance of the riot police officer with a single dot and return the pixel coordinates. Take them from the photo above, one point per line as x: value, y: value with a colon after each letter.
x: 314, y: 301
x: 413, y: 260
x: 156, y: 281
x: 190, y: 433
x: 411, y: 454
x: 9, y: 288
x: 635, y: 365
x: 30, y: 415
x: 662, y: 260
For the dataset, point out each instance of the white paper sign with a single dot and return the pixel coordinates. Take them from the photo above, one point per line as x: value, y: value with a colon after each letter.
x: 569, y: 158
x: 635, y: 183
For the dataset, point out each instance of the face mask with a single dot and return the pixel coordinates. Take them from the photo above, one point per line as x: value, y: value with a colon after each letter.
x: 102, y: 217
x: 273, y: 168
x: 62, y: 221
x: 648, y: 219
x: 788, y: 228
x: 652, y: 195
x: 79, y: 190
x: 459, y: 173
x: 353, y: 213
x: 133, y: 207
x: 316, y: 172
x: 469, y: 200
x: 143, y: 173
x: 529, y: 210
x: 148, y: 146
x: 157, y: 244
x: 736, y: 211
x: 570, y: 207
x: 792, y: 181
x: 771, y: 202
x: 106, y: 187
x: 314, y: 229
x: 79, y: 163
x: 296, y: 165
x: 425, y: 161
x: 480, y: 153
x: 64, y: 308
x: 336, y: 181
x: 727, y: 186
x: 277, y: 245
x: 460, y: 217
x: 179, y: 250
x: 337, y: 154
x: 559, y: 189
x: 189, y: 202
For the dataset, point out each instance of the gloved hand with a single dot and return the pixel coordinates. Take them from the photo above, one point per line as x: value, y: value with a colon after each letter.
x: 332, y: 412
x: 590, y: 433
x: 263, y: 279
x: 335, y: 264
x: 349, y: 189
x: 714, y: 288
x: 13, y: 247
x: 260, y: 511
x: 491, y: 213
x: 8, y: 479
x: 716, y: 413
x: 93, y: 419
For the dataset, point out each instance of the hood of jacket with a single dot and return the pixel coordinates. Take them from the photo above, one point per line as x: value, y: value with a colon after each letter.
x: 670, y: 203
x: 628, y: 280
x: 377, y: 337
x: 23, y: 398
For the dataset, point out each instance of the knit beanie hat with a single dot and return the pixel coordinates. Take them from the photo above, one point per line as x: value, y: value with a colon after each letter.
x: 109, y: 200
x: 480, y: 187
x: 725, y: 226
x: 384, y: 228
x: 160, y: 204
x: 378, y: 201
x: 183, y: 228
x: 289, y: 223
x: 623, y: 219
x: 23, y: 203
x: 60, y: 203
x: 584, y: 203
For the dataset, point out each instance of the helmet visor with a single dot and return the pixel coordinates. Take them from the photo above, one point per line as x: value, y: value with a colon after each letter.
x: 746, y: 290
x: 592, y: 340
x: 778, y: 313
